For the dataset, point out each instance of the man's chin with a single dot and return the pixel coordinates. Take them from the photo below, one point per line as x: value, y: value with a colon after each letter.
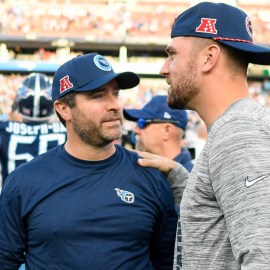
x: 114, y: 136
x: 172, y: 102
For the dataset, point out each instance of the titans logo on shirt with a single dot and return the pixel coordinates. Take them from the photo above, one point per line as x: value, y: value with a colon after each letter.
x: 125, y: 196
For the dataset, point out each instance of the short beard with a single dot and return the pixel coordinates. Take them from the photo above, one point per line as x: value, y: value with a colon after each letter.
x: 90, y: 133
x: 186, y: 87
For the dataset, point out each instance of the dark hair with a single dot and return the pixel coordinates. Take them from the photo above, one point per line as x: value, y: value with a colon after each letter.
x: 237, y: 61
x: 68, y: 99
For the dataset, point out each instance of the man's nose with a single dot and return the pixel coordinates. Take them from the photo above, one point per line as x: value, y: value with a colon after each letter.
x: 136, y: 130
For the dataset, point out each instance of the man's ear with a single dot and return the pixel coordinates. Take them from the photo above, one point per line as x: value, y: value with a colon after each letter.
x: 63, y: 109
x: 167, y: 130
x: 211, y: 56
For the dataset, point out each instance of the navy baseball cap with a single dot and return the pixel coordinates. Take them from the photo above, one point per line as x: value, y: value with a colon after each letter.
x: 157, y: 108
x: 88, y: 72
x: 223, y: 23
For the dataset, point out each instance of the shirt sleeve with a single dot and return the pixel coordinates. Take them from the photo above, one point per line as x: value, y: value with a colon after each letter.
x: 162, y: 244
x: 12, y: 232
x: 240, y: 174
x: 177, y: 180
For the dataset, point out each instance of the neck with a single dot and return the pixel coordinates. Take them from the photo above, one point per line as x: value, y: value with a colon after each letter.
x: 213, y: 101
x: 170, y: 151
x: 84, y: 151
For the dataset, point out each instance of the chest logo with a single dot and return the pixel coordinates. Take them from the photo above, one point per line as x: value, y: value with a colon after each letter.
x: 249, y: 183
x: 125, y: 196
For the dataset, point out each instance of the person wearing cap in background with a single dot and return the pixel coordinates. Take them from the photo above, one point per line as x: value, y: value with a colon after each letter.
x: 87, y: 204
x: 225, y: 213
x: 160, y: 130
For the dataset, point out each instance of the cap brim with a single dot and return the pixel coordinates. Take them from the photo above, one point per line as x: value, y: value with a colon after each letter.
x: 134, y: 115
x: 256, y: 54
x: 125, y: 80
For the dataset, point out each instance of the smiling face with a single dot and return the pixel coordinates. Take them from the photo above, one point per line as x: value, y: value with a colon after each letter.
x: 180, y: 72
x: 96, y: 118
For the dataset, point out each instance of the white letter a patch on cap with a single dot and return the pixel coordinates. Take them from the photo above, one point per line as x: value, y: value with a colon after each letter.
x: 207, y: 26
x: 65, y: 84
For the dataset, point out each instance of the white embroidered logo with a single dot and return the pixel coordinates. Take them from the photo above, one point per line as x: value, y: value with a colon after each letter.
x: 102, y: 63
x: 249, y: 183
x: 167, y: 115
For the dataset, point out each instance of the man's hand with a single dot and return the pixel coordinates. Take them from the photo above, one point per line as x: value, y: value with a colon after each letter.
x: 163, y: 164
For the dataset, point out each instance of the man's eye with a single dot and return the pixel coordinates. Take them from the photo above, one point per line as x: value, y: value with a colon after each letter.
x: 116, y: 93
x: 96, y: 96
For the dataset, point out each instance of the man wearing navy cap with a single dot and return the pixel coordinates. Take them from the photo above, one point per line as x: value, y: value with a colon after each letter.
x: 160, y: 130
x: 225, y: 213
x: 87, y: 204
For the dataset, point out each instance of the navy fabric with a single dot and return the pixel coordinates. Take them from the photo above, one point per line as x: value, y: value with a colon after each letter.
x: 74, y: 214
x: 157, y: 108
x: 225, y: 24
x: 185, y: 159
x: 21, y: 142
x: 88, y: 72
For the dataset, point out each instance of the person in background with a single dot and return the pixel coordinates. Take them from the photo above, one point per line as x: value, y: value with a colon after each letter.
x: 86, y: 204
x: 160, y: 130
x: 225, y: 213
x: 30, y: 130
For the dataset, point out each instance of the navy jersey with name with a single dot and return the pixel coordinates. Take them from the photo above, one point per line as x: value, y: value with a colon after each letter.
x: 59, y: 212
x: 21, y: 142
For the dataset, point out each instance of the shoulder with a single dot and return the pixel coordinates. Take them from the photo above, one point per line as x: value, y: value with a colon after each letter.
x: 150, y: 181
x: 133, y: 157
x: 40, y: 163
x: 240, y: 135
x: 130, y: 160
x: 31, y: 176
x: 243, y: 111
x: 244, y: 118
x: 185, y: 159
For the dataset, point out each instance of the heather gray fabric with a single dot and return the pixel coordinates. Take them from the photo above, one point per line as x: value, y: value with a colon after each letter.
x: 177, y: 179
x: 225, y: 209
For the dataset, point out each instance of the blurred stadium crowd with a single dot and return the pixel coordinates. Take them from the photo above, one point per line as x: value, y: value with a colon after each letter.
x: 109, y: 21
x: 136, y: 98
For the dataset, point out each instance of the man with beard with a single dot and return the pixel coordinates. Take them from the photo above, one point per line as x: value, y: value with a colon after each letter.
x: 86, y: 204
x: 225, y: 212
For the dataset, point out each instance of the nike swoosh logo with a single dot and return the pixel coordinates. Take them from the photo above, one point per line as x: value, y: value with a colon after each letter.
x: 249, y: 183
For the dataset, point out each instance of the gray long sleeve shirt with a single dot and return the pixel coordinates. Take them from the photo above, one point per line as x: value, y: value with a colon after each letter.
x: 225, y: 209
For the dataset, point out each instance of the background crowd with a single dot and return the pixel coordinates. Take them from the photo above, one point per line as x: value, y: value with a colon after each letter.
x: 110, y: 19
x: 109, y: 22
x: 195, y: 133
